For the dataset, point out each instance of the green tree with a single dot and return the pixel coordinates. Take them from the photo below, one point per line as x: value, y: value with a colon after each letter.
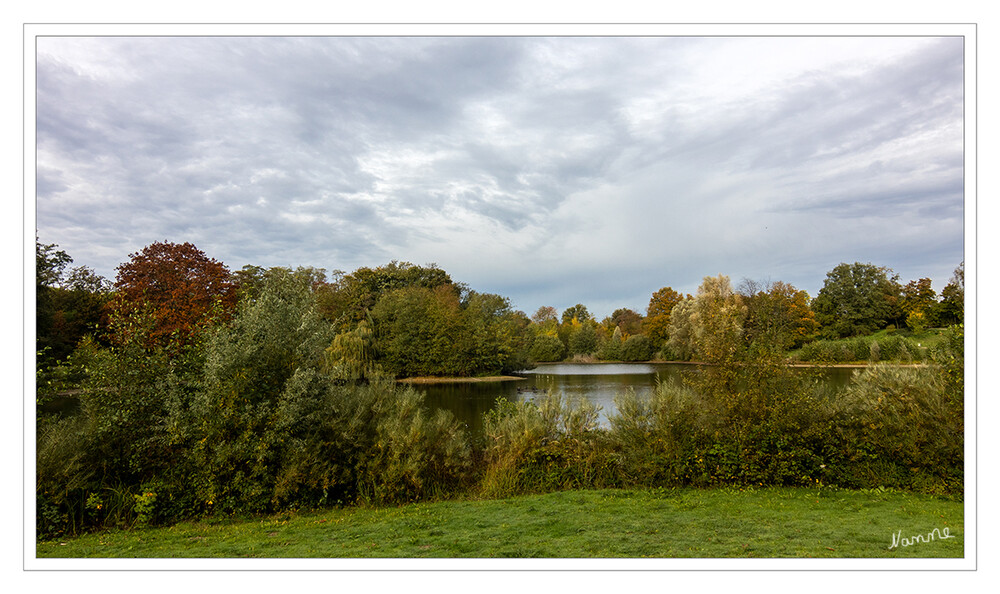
x: 78, y: 310
x: 951, y: 308
x: 348, y: 299
x: 578, y: 330
x: 857, y: 299
x: 69, y: 304
x: 547, y: 347
x: 350, y: 357
x: 611, y: 347
x: 494, y: 337
x: 273, y: 350
x: 637, y: 348
x: 418, y: 331
x: 918, y: 303
x: 583, y: 340
x: 578, y: 312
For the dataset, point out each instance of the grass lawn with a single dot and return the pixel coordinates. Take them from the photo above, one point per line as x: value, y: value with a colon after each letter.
x: 668, y: 523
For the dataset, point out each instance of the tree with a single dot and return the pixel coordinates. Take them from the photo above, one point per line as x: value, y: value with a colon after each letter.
x: 718, y: 319
x: 578, y: 312
x: 918, y: 303
x: 50, y: 264
x: 179, y: 286
x: 547, y: 347
x: 583, y: 340
x: 494, y: 337
x: 611, y: 347
x: 681, y: 330
x: 348, y: 299
x: 951, y: 308
x: 578, y: 330
x: 418, y: 331
x: 69, y: 304
x: 857, y: 299
x: 628, y: 320
x: 637, y: 348
x: 544, y: 314
x: 277, y: 342
x: 778, y: 314
x: 657, y: 321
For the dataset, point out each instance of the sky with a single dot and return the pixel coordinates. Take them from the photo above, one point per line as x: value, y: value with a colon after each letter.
x: 549, y: 170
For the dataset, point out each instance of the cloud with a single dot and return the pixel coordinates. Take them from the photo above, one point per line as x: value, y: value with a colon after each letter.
x: 553, y: 170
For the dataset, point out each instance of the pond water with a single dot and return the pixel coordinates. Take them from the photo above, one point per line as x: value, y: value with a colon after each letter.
x: 597, y: 382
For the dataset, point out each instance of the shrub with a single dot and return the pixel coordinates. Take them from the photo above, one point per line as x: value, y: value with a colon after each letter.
x: 64, y: 475
x: 548, y: 445
x: 898, y: 428
x: 892, y: 347
x: 416, y: 453
x: 655, y: 438
x: 637, y: 348
x: 248, y: 366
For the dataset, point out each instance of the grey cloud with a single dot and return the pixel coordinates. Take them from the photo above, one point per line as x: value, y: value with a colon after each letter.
x: 318, y: 151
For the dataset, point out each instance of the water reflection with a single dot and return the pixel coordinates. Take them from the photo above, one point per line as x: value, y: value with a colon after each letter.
x: 597, y: 383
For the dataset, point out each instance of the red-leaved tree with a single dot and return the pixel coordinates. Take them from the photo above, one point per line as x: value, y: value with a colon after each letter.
x: 176, y: 289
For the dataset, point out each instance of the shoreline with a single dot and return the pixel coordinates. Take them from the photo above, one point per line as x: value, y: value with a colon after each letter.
x: 458, y: 380
x: 858, y: 365
x: 512, y: 378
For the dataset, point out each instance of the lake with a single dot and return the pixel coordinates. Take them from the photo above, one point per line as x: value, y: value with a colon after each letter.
x: 596, y: 382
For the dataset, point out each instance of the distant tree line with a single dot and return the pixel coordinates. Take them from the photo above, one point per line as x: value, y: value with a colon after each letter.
x: 415, y: 320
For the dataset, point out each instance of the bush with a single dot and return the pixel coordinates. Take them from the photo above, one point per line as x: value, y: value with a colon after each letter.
x: 248, y: 366
x: 891, y: 347
x: 637, y: 348
x: 543, y: 446
x: 898, y: 428
x: 657, y: 438
x: 416, y: 454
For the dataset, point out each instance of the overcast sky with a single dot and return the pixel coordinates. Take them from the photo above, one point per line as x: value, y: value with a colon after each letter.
x: 552, y: 171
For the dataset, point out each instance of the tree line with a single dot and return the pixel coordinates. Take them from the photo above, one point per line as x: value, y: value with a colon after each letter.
x: 410, y: 320
x: 205, y: 391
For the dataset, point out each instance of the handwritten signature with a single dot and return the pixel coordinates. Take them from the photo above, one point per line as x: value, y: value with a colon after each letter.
x: 936, y: 534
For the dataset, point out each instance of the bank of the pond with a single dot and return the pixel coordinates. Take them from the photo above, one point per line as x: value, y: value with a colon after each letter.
x: 659, y: 523
x: 458, y: 380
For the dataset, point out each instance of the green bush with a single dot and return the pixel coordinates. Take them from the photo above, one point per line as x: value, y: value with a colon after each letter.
x: 891, y: 347
x: 548, y: 445
x: 248, y: 365
x: 656, y: 439
x: 637, y: 348
x: 416, y: 453
x: 898, y: 427
x: 64, y: 475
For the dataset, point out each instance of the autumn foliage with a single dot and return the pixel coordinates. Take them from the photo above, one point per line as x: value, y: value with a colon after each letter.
x: 176, y: 288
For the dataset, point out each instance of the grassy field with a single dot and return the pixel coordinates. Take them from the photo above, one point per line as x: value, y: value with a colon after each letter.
x: 669, y: 523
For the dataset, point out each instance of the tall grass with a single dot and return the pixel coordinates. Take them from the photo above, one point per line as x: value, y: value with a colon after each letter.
x: 542, y: 446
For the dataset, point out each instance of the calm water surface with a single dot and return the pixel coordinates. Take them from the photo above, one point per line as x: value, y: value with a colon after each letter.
x: 598, y: 383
